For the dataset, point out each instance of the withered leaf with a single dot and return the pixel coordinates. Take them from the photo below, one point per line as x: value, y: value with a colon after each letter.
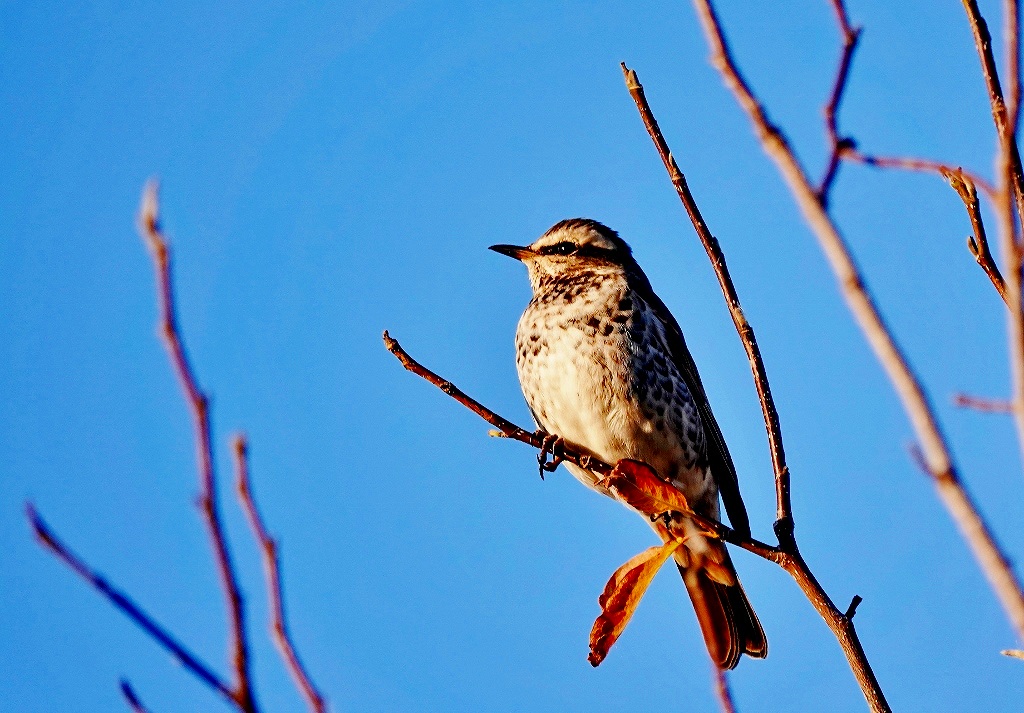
x: 636, y: 484
x: 622, y: 594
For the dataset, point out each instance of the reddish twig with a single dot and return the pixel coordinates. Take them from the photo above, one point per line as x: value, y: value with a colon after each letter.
x: 792, y: 561
x: 149, y: 227
x: 978, y: 242
x: 917, y: 165
x: 1008, y: 211
x: 851, y: 35
x: 124, y: 604
x: 983, y: 44
x: 272, y: 568
x: 568, y: 453
x: 132, y: 698
x: 932, y: 442
x: 981, y: 404
x: 784, y: 507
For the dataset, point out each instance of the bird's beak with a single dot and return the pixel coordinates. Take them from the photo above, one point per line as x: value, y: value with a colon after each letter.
x: 519, y: 253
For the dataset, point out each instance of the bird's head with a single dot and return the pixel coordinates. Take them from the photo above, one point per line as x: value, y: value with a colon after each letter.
x: 572, y: 245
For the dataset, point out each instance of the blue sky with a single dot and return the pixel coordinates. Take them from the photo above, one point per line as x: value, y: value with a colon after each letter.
x: 332, y: 170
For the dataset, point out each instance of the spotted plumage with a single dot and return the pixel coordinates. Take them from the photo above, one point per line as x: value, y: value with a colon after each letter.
x: 603, y: 365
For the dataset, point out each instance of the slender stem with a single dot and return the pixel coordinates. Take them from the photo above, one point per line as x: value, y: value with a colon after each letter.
x: 272, y: 568
x: 918, y: 165
x: 132, y: 698
x: 978, y: 242
x: 851, y: 35
x: 510, y: 430
x: 922, y: 417
x: 789, y: 556
x: 124, y: 604
x: 984, y: 405
x: 149, y: 227
x: 784, y: 507
x: 983, y: 45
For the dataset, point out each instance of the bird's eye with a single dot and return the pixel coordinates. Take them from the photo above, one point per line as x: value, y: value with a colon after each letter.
x: 563, y: 249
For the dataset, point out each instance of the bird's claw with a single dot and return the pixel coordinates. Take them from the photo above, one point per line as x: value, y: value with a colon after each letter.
x: 550, y: 445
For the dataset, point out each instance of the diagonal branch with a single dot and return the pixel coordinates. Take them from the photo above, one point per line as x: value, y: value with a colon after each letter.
x: 841, y: 625
x: 933, y: 444
x: 272, y: 567
x: 978, y: 242
x: 851, y: 35
x: 149, y: 227
x: 917, y: 165
x: 132, y: 698
x: 784, y: 507
x: 790, y: 560
x: 989, y: 70
x: 123, y: 603
x: 507, y: 429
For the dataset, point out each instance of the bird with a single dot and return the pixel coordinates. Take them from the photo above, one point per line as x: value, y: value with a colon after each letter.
x: 604, y: 368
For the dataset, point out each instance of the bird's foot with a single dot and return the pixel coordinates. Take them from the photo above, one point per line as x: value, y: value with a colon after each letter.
x: 550, y: 445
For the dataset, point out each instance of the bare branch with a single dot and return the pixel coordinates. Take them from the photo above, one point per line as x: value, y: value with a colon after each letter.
x: 851, y: 35
x: 132, y: 698
x: 793, y: 563
x: 272, y: 569
x: 568, y: 452
x: 1009, y: 211
x: 917, y: 165
x: 922, y: 417
x: 977, y: 243
x: 124, y: 604
x: 784, y: 508
x: 984, y: 405
x: 149, y: 227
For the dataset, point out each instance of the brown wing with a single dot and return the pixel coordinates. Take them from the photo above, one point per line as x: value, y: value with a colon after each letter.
x: 722, y: 468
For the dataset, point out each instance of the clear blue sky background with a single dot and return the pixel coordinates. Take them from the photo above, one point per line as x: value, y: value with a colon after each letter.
x: 331, y: 170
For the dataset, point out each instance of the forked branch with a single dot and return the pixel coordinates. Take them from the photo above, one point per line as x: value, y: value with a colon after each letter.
x: 933, y: 445
x: 841, y: 625
x: 149, y: 227
x: 272, y: 569
x: 789, y: 559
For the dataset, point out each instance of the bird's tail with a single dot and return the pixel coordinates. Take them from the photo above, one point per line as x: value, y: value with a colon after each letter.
x: 727, y: 621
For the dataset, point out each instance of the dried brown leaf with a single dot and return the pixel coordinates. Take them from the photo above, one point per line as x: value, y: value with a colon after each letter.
x: 622, y: 594
x: 636, y: 484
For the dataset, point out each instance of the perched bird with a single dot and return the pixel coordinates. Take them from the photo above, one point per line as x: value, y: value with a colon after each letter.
x: 603, y: 366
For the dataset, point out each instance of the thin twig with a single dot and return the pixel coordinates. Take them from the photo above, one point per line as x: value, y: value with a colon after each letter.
x: 790, y: 560
x: 983, y: 44
x: 1008, y: 210
x: 793, y: 562
x: 131, y: 697
x: 922, y: 417
x: 917, y: 165
x: 851, y: 35
x: 784, y: 507
x: 978, y: 242
x: 123, y: 603
x: 272, y: 569
x: 722, y: 691
x: 568, y: 453
x: 981, y: 404
x: 149, y: 227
